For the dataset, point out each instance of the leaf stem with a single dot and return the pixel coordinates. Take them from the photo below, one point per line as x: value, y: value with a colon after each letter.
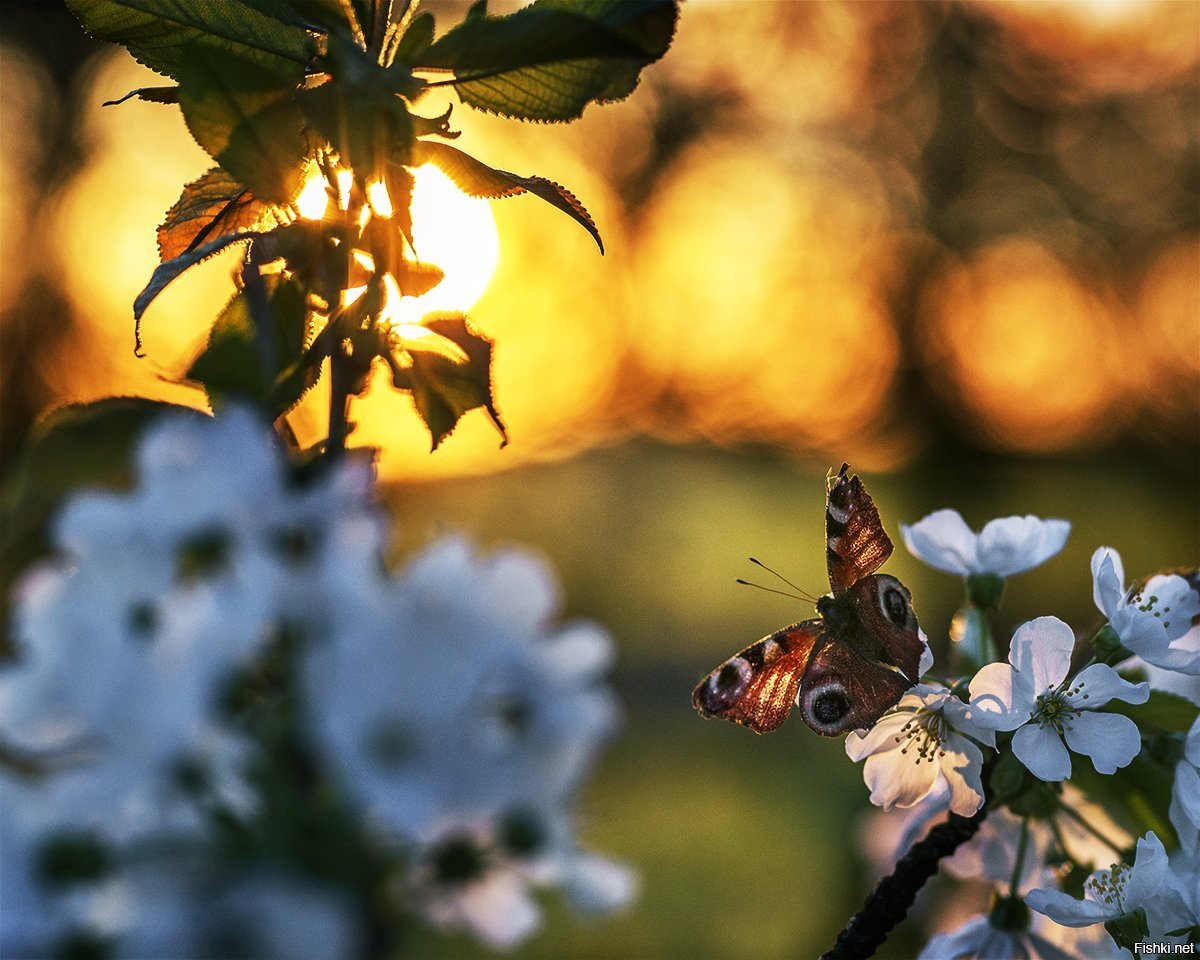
x: 1015, y: 883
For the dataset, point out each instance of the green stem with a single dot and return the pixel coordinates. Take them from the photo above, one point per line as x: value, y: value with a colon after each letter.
x: 1015, y: 883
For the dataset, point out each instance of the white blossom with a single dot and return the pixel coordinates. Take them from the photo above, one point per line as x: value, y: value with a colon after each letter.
x: 1030, y: 695
x: 919, y: 744
x: 1122, y: 890
x: 1185, y: 793
x: 173, y: 910
x: 452, y: 708
x: 1154, y: 622
x: 979, y: 939
x: 1004, y: 547
x: 155, y: 597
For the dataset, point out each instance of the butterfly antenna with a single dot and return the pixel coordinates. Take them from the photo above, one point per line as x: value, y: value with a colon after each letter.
x: 804, y: 595
x: 782, y: 593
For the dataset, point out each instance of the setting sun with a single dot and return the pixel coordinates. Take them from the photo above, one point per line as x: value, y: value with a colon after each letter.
x: 458, y: 234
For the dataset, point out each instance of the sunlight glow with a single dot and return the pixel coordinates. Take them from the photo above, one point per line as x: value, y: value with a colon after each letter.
x: 313, y: 199
x: 345, y: 184
x: 458, y: 234
x: 379, y: 200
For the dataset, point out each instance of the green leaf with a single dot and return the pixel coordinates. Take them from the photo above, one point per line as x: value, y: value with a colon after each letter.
x: 325, y: 15
x: 157, y: 32
x: 359, y: 113
x: 477, y: 179
x: 417, y: 39
x: 236, y: 365
x: 78, y: 446
x: 246, y: 118
x: 1163, y: 711
x: 213, y: 205
x: 164, y: 273
x: 149, y: 94
x: 449, y: 373
x: 550, y: 59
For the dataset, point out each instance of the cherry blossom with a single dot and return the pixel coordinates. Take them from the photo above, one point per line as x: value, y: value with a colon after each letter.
x: 980, y: 939
x: 1004, y: 547
x: 921, y: 742
x: 461, y: 719
x: 1030, y: 695
x: 1185, y: 793
x: 1122, y: 890
x: 1155, y: 621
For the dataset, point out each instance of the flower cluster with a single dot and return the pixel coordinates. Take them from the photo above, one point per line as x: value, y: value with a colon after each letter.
x: 229, y: 727
x: 1069, y: 880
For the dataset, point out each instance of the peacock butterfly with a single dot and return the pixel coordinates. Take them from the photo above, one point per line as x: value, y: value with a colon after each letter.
x: 847, y: 666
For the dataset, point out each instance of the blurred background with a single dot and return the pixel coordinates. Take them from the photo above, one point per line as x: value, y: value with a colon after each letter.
x: 955, y: 244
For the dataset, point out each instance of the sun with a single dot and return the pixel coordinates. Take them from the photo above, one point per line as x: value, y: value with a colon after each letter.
x: 455, y: 232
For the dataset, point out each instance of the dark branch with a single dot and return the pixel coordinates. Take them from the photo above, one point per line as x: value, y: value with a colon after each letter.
x: 889, y: 902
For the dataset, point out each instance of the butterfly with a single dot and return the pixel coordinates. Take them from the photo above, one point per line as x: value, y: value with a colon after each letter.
x: 849, y: 665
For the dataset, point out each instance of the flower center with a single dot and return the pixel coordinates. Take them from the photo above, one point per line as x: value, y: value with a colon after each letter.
x: 1108, y: 886
x: 924, y: 735
x: 1054, y: 709
x: 1149, y: 605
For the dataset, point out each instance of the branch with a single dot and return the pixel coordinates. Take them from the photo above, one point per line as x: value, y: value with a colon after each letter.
x: 894, y: 894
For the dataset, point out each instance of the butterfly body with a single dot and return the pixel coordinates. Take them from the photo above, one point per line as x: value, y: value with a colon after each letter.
x: 847, y: 666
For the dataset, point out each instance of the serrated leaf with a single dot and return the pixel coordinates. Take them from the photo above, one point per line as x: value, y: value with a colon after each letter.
x: 477, y: 179
x: 246, y: 118
x: 416, y: 278
x: 213, y: 205
x: 435, y: 126
x: 444, y: 385
x: 359, y: 113
x: 157, y: 32
x: 548, y: 60
x: 164, y: 273
x: 417, y: 39
x: 1163, y: 711
x: 326, y: 15
x: 236, y: 365
x: 149, y: 94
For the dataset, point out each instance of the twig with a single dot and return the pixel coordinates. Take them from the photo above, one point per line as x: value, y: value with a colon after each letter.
x: 889, y: 902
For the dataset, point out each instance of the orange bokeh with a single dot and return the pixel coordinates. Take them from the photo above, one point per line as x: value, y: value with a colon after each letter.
x: 1027, y: 348
x: 786, y: 275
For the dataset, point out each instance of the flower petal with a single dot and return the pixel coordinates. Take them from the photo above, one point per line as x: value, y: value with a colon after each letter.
x: 599, y: 885
x: 1185, y: 806
x: 897, y: 779
x: 1013, y: 544
x: 943, y: 541
x: 1108, y: 580
x: 1111, y: 740
x: 962, y: 942
x: 1041, y: 652
x: 1096, y: 685
x: 884, y: 736
x: 1042, y: 751
x: 961, y: 763
x: 1148, y: 874
x: 926, y: 663
x: 1067, y: 910
x: 997, y: 703
x: 1191, y: 746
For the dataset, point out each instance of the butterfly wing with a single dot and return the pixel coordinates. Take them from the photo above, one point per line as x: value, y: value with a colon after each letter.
x: 843, y: 690
x: 855, y: 542
x: 857, y: 677
x: 757, y: 688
